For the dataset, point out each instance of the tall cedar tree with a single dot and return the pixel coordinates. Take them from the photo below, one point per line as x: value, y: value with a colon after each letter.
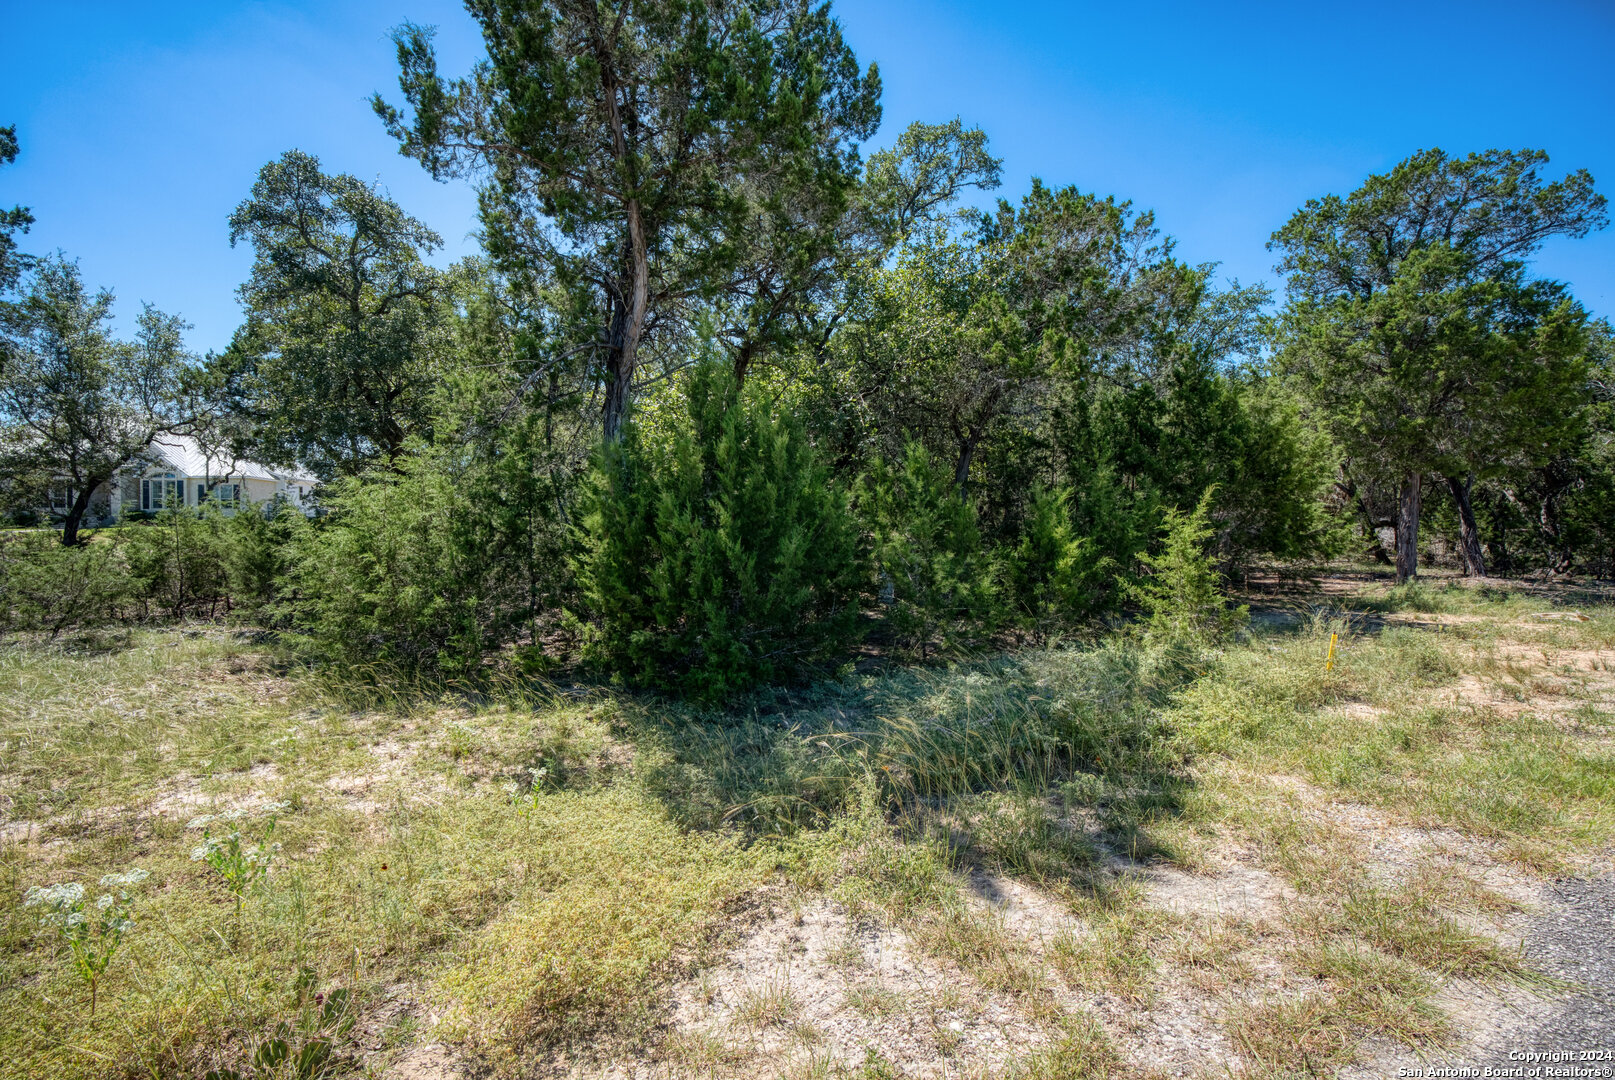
x: 17, y: 219
x: 639, y: 150
x: 1411, y: 325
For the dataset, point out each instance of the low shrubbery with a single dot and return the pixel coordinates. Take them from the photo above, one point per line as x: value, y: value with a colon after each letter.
x: 708, y: 552
x: 50, y: 588
x: 178, y: 564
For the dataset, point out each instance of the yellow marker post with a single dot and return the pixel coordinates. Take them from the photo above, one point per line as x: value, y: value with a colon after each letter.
x: 1329, y: 661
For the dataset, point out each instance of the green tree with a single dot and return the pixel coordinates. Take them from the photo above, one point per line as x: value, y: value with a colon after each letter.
x: 971, y: 328
x: 1560, y: 514
x: 399, y: 570
x: 633, y: 149
x: 935, y: 578
x: 341, y: 347
x: 15, y: 220
x: 717, y: 552
x: 1051, y: 577
x: 918, y: 178
x: 1180, y: 594
x: 75, y: 403
x: 1412, y: 328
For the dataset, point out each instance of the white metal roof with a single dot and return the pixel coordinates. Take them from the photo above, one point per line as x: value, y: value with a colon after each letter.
x: 185, y: 456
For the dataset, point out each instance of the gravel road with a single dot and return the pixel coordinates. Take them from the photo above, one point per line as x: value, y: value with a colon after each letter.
x: 1572, y: 938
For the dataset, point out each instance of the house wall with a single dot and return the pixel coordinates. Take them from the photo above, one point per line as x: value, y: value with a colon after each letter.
x: 121, y: 497
x: 258, y: 490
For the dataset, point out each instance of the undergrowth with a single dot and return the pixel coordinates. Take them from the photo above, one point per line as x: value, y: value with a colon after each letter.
x: 521, y: 867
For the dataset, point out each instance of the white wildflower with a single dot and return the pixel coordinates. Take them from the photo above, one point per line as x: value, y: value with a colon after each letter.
x: 54, y: 896
x: 130, y: 877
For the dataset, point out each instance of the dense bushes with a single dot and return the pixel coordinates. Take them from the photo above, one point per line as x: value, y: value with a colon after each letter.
x: 1052, y: 578
x: 181, y: 563
x: 934, y: 576
x: 717, y: 551
x: 424, y: 566
x: 1128, y: 450
x: 47, y: 587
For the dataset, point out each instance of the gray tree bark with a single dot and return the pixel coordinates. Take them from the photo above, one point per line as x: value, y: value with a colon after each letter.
x: 1407, y: 530
x: 1468, y: 535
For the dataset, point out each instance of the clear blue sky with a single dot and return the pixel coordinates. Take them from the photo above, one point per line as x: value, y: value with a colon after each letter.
x: 142, y: 125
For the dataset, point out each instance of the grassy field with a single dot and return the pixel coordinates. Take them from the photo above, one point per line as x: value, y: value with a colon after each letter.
x: 1081, y: 861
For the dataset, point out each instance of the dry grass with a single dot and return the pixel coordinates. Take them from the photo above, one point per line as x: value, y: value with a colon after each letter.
x: 1247, y: 863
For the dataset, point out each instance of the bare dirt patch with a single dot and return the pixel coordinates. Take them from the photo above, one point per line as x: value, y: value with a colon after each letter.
x: 808, y: 986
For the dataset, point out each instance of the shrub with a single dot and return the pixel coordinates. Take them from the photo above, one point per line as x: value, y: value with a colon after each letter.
x: 258, y: 555
x: 177, y: 562
x: 717, y: 554
x: 46, y: 586
x: 1180, y: 596
x: 1052, y: 577
x: 394, y: 572
x: 934, y: 576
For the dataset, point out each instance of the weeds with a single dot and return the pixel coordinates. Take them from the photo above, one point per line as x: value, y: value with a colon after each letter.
x: 303, y: 1050
x: 641, y: 825
x: 92, y: 936
x: 239, y: 864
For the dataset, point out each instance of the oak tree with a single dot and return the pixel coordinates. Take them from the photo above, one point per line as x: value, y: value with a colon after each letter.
x: 76, y: 404
x: 1414, y: 330
x: 341, y: 344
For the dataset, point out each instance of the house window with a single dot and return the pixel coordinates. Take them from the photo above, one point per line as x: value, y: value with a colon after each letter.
x: 228, y: 494
x: 61, y: 500
x: 159, y: 492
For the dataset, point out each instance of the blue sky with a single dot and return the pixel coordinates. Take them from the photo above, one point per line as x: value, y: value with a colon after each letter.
x: 142, y: 125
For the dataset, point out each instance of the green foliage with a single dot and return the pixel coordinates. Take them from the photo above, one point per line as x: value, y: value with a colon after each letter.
x: 93, y: 936
x: 179, y: 561
x: 1051, y: 579
x: 303, y: 1050
x: 336, y: 362
x: 47, y: 587
x: 239, y: 863
x: 461, y: 548
x: 1558, y: 514
x: 76, y: 404
x: 1129, y: 447
x: 1180, y: 596
x: 17, y: 219
x: 935, y: 579
x: 397, y: 570
x: 717, y: 553
x: 258, y: 547
x: 1415, y: 334
x: 714, y: 185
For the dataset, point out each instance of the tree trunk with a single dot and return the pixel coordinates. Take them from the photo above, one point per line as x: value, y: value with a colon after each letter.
x: 967, y: 454
x: 627, y: 327
x: 961, y: 471
x: 1551, y: 528
x: 1407, y: 530
x: 75, y: 515
x: 616, y: 404
x: 743, y: 357
x: 1468, y: 535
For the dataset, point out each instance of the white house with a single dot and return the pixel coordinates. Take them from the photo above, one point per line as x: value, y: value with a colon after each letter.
x: 176, y: 471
